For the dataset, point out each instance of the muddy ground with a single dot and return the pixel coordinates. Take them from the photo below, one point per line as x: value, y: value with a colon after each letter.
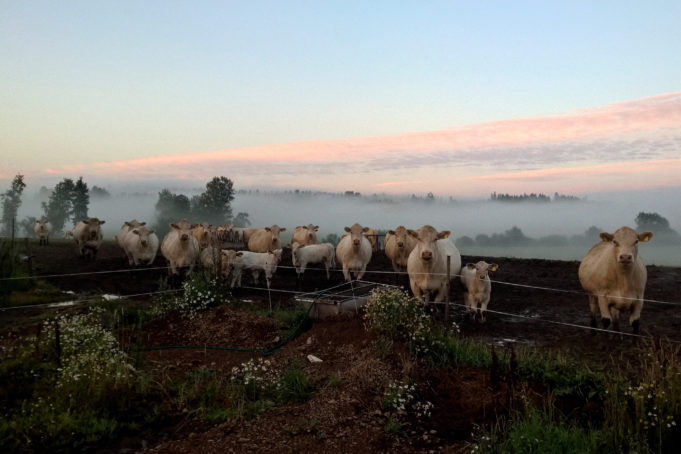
x: 349, y: 417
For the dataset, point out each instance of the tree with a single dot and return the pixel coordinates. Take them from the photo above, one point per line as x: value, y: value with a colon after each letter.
x: 170, y: 208
x: 11, y: 201
x: 651, y: 221
x: 214, y: 204
x: 80, y: 201
x: 27, y: 225
x: 59, y: 207
x: 100, y: 193
x: 241, y: 220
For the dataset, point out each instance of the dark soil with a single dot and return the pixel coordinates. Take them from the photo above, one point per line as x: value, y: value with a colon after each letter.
x: 349, y: 417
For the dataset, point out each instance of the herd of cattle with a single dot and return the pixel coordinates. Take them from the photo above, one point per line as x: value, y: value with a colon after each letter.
x: 612, y: 273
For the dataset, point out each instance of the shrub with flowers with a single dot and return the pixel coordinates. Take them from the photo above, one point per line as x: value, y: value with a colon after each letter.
x: 88, y: 354
x: 397, y: 314
x: 402, y: 400
x: 256, y: 378
x: 200, y: 292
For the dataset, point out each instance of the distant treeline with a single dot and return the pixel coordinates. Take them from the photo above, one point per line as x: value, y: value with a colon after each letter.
x: 663, y: 235
x: 543, y: 198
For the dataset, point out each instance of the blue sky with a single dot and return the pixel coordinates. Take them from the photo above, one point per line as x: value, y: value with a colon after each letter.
x: 85, y: 82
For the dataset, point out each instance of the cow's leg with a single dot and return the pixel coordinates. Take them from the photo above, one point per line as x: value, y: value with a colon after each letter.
x: 593, y: 306
x: 635, y: 317
x: 346, y: 273
x: 483, y: 310
x: 615, y: 313
x: 362, y: 271
x: 605, y: 311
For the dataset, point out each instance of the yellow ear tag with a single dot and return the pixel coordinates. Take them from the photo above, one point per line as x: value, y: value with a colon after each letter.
x: 446, y: 236
x: 494, y: 268
x: 646, y: 239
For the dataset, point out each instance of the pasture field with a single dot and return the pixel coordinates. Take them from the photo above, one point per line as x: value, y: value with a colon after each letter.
x: 531, y: 369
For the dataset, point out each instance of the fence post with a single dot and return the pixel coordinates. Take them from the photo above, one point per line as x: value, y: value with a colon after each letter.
x: 447, y: 289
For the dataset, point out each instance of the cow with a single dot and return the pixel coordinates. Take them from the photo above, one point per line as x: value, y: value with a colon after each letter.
x: 205, y: 234
x: 180, y: 248
x: 313, y: 253
x: 477, y: 287
x: 372, y: 236
x: 227, y: 261
x: 140, y: 245
x: 88, y: 237
x: 354, y: 252
x: 125, y: 229
x: 427, y: 262
x: 305, y: 234
x: 42, y: 229
x: 614, y: 276
x: 265, y: 240
x: 255, y: 262
x: 398, y: 246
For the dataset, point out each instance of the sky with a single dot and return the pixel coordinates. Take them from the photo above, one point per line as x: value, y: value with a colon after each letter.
x: 455, y: 98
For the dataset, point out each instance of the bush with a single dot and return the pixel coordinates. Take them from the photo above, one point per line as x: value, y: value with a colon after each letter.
x: 201, y: 291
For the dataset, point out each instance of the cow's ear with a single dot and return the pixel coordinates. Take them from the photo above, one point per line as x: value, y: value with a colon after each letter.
x: 391, y: 232
x: 347, y: 229
x: 493, y: 267
x: 102, y: 222
x: 444, y: 234
x: 151, y: 231
x: 136, y: 232
x: 282, y: 229
x: 127, y: 223
x: 195, y: 226
x: 267, y: 229
x: 300, y: 227
x: 645, y: 236
x: 143, y: 223
x: 470, y: 266
x: 86, y: 222
x: 366, y: 229
x: 239, y: 254
x: 316, y: 227
x: 606, y: 237
x: 174, y: 226
x: 412, y: 233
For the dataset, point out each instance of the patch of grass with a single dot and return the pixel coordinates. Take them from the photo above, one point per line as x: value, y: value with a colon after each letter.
x: 335, y: 381
x: 295, y: 384
x: 538, y: 431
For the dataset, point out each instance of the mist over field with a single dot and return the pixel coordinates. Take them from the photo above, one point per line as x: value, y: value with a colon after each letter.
x: 463, y: 217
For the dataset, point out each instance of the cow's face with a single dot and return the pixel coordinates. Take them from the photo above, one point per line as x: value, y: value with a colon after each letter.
x: 427, y: 238
x: 356, y: 233
x: 400, y: 237
x: 625, y: 243
x: 482, y: 269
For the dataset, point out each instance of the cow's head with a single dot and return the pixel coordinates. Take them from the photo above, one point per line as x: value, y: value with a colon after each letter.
x: 482, y: 269
x: 625, y: 243
x: 356, y: 233
x: 427, y: 238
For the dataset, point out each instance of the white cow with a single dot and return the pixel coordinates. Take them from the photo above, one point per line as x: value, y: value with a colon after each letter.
x: 398, y: 246
x: 42, y: 229
x: 615, y: 277
x: 313, y: 253
x: 255, y: 262
x: 305, y: 234
x: 477, y: 287
x: 427, y: 263
x: 125, y: 229
x: 354, y: 252
x: 180, y: 248
x: 140, y: 246
x: 88, y: 237
x: 265, y: 240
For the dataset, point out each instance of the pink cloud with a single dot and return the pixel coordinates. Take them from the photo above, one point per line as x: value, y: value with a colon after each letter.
x: 643, y: 130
